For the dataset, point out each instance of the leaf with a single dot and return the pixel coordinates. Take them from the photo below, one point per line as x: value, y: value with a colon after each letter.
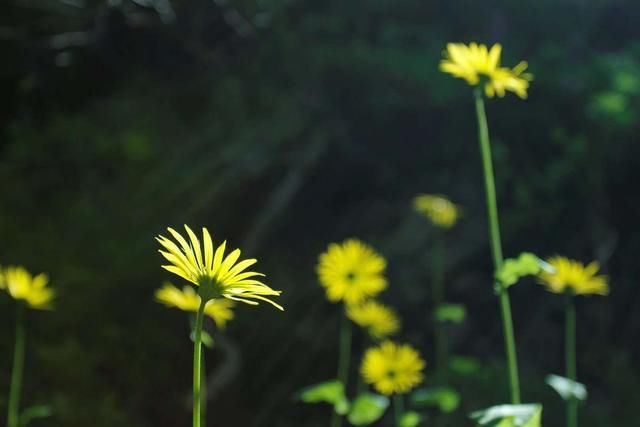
x: 367, y: 408
x: 445, y: 398
x: 450, y: 313
x: 33, y: 412
x: 331, y: 392
x: 464, y: 365
x: 528, y: 415
x: 513, y: 269
x: 566, y: 388
x: 205, y: 337
x: 409, y: 419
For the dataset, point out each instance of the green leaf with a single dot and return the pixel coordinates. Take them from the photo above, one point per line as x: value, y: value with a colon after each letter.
x: 410, y: 419
x: 331, y: 392
x: 450, y: 313
x: 529, y: 415
x: 33, y: 412
x: 463, y: 365
x: 513, y: 269
x: 367, y: 408
x: 566, y: 388
x: 445, y: 398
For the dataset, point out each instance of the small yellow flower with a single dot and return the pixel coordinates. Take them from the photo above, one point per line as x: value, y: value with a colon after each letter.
x: 23, y: 286
x: 438, y: 209
x: 188, y: 300
x: 351, y: 272
x: 220, y: 276
x: 379, y: 320
x: 392, y: 368
x: 574, y: 277
x: 477, y: 64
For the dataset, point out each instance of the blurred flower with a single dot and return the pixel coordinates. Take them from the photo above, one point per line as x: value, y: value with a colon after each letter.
x: 216, y: 275
x: 351, y: 272
x: 477, y: 65
x: 438, y: 209
x: 379, y: 320
x: 574, y: 277
x: 188, y: 300
x: 392, y: 368
x: 23, y: 286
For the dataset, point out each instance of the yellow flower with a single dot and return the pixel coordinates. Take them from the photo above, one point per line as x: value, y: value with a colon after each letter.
x: 477, y: 64
x: 23, y: 286
x: 438, y: 209
x: 216, y: 275
x: 351, y: 272
x: 574, y: 277
x: 188, y: 300
x: 392, y: 368
x: 379, y: 320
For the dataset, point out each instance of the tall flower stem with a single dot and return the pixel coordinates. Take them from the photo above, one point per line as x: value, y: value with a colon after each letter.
x: 570, y: 357
x: 438, y: 296
x: 398, y: 408
x: 344, y: 357
x: 496, y: 246
x: 17, y: 369
x: 197, y: 365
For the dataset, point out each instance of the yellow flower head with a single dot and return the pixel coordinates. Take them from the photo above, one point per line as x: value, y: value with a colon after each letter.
x: 379, y: 320
x: 574, y: 277
x: 438, y: 209
x: 188, y: 300
x: 217, y: 275
x: 351, y: 272
x: 23, y: 286
x: 392, y: 368
x: 477, y: 64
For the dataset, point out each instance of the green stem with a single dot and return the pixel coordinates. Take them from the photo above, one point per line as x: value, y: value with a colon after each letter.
x: 197, y: 365
x: 16, y: 371
x: 344, y: 357
x: 438, y: 295
x: 496, y: 246
x: 398, y: 408
x: 570, y: 357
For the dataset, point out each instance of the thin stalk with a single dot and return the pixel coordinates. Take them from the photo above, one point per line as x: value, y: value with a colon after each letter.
x: 344, y: 357
x: 197, y: 365
x: 496, y: 246
x: 398, y: 408
x: 17, y: 369
x: 438, y: 296
x: 570, y: 357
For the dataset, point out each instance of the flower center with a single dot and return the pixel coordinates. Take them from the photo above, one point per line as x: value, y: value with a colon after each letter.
x: 351, y: 276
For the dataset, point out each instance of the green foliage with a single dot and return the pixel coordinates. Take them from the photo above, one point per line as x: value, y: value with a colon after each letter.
x: 367, y: 408
x: 33, y: 413
x: 529, y: 415
x: 463, y: 365
x: 444, y: 398
x: 331, y: 392
x: 454, y: 313
x: 410, y: 419
x: 513, y: 269
x: 566, y: 388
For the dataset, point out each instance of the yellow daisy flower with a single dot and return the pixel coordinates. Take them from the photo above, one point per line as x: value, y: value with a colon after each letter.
x: 188, y: 300
x: 351, y: 272
x: 438, y: 209
x: 571, y: 276
x: 477, y: 64
x: 216, y: 275
x: 379, y: 320
x: 21, y: 285
x: 392, y: 368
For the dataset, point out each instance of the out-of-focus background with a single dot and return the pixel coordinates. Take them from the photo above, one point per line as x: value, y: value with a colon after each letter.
x: 283, y: 125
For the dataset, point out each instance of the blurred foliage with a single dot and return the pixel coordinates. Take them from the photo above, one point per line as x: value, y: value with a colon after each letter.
x: 285, y: 124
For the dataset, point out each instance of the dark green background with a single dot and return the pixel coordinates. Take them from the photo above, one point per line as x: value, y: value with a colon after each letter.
x: 283, y: 125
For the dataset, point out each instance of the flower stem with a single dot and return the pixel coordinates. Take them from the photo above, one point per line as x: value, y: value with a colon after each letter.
x: 496, y: 246
x: 398, y: 408
x: 570, y: 357
x: 344, y: 357
x: 438, y: 294
x: 197, y: 365
x: 16, y: 371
